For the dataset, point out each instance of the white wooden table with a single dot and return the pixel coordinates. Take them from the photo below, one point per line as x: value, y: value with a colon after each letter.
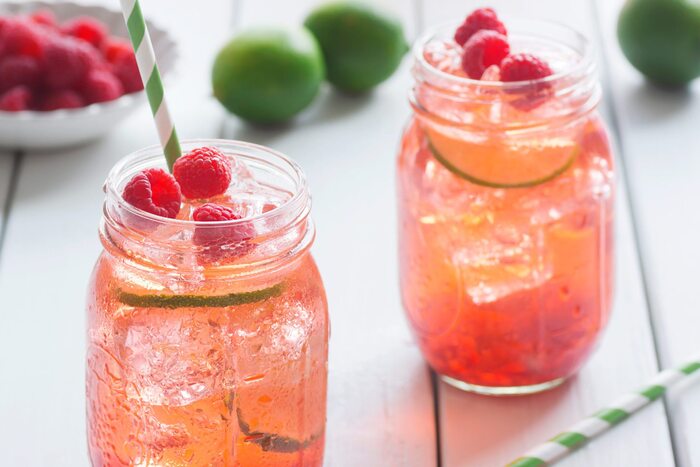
x: 383, y: 407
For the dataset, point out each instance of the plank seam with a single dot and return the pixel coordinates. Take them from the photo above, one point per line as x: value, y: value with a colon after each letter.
x: 434, y: 384
x: 627, y: 186
x: 9, y: 201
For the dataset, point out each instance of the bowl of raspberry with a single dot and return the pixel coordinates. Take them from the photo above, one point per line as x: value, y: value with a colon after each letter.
x: 68, y: 73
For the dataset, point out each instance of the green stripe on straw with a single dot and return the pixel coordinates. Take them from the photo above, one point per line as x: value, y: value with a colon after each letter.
x: 150, y: 75
x: 588, y: 428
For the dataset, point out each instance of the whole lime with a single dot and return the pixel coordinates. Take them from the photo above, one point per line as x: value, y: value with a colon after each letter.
x: 661, y: 38
x: 268, y: 75
x: 362, y: 46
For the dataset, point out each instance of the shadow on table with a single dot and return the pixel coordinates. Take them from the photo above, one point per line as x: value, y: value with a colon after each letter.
x: 329, y: 106
x: 483, y: 430
x: 649, y: 103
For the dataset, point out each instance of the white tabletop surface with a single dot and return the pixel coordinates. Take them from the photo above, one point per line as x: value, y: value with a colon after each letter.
x: 383, y: 408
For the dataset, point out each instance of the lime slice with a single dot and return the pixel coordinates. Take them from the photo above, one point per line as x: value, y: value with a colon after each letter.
x: 499, y: 166
x: 197, y: 301
x: 270, y: 441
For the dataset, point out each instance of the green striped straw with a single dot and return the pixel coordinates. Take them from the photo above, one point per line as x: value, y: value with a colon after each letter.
x: 146, y: 59
x: 588, y: 428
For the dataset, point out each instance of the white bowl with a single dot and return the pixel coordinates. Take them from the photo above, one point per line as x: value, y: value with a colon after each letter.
x: 69, y: 127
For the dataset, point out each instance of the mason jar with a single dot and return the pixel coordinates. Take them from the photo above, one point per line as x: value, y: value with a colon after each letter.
x: 505, y: 203
x: 204, y: 354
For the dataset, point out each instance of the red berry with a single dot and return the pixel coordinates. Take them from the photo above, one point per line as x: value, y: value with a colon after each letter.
x: 221, y: 242
x: 523, y: 67
x: 19, y: 69
x: 67, y: 62
x: 483, y: 18
x: 127, y: 71
x: 16, y: 99
x: 91, y: 30
x: 154, y: 191
x: 483, y: 49
x: 61, y: 99
x: 203, y: 173
x: 22, y: 37
x: 114, y: 48
x: 44, y: 17
x: 101, y: 86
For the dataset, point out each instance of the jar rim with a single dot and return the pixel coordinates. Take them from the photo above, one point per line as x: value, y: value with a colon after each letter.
x: 147, y: 156
x: 521, y: 27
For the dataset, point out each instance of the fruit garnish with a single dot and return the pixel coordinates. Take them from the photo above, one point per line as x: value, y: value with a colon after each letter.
x: 362, y: 45
x: 88, y: 29
x: 498, y: 165
x: 482, y: 18
x: 154, y: 191
x: 483, y: 49
x: 198, y: 301
x: 527, y: 67
x: 16, y: 99
x: 272, y: 442
x: 203, y: 173
x: 221, y: 242
x: 524, y: 67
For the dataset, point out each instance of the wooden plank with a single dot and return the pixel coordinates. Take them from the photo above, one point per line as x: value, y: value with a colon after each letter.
x: 380, y: 409
x: 659, y: 136
x: 52, y: 243
x: 479, y: 431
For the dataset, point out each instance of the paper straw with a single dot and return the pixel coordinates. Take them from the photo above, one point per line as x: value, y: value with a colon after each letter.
x: 600, y: 422
x: 146, y: 59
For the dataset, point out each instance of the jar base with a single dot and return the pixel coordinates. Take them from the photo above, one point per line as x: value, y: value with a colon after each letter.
x: 502, y: 390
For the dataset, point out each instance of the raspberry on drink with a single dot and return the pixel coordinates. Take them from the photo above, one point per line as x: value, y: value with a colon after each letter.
x: 154, y: 191
x: 483, y: 49
x: 203, y: 173
x: 221, y: 242
x: 482, y: 18
x: 524, y: 67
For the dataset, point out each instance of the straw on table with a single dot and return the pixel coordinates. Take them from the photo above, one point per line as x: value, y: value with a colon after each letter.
x: 586, y: 429
x: 146, y: 59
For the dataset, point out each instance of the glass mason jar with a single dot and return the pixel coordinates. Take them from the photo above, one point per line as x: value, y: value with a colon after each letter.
x: 193, y: 360
x: 506, y: 214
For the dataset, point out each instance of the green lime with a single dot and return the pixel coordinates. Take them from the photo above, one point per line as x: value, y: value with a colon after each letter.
x: 268, y: 75
x: 661, y: 38
x: 362, y: 46
x: 198, y: 301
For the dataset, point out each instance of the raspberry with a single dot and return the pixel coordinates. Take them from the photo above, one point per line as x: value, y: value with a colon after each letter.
x: 44, y: 17
x: 483, y: 18
x: 61, y: 99
x: 203, y: 173
x: 127, y: 71
x: 523, y: 67
x: 16, y: 99
x: 67, y: 62
x: 483, y: 49
x: 101, y: 86
x: 87, y: 29
x: 19, y: 69
x: 526, y: 67
x: 154, y: 191
x: 114, y: 48
x: 21, y: 37
x: 221, y: 242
